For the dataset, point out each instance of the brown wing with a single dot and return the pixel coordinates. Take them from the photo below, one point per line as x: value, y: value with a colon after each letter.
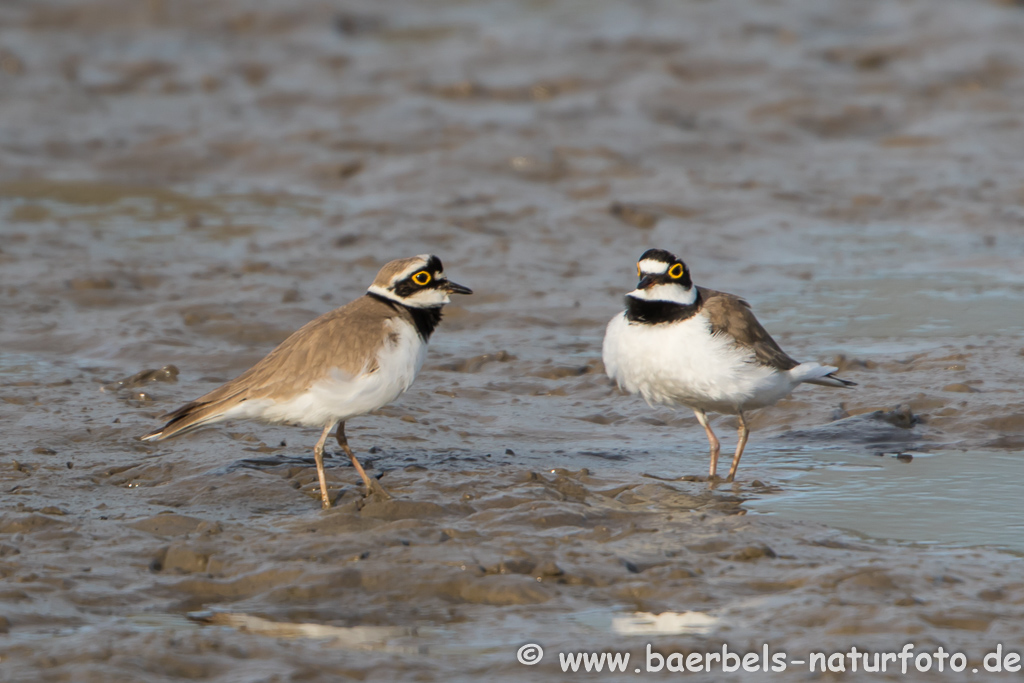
x: 342, y: 339
x: 731, y: 315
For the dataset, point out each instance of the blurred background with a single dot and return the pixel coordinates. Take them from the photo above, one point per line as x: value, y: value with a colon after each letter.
x: 185, y: 183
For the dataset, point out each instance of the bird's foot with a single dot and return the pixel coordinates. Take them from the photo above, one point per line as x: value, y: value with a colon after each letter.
x: 375, y: 491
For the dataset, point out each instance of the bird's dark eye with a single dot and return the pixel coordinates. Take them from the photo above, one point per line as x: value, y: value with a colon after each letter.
x: 676, y: 271
x: 421, y: 278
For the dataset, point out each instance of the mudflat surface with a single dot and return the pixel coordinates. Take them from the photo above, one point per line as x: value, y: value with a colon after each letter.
x: 183, y: 184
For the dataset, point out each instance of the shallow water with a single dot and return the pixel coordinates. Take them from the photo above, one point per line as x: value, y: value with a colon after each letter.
x: 934, y: 499
x: 185, y: 184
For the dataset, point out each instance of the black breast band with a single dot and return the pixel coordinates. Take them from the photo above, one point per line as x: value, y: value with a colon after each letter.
x: 658, y: 312
x: 426, y: 320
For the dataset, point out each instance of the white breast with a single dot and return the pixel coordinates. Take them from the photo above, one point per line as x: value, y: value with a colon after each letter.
x: 683, y: 363
x: 340, y: 396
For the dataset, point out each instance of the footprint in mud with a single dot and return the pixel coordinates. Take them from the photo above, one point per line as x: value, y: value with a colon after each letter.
x: 881, y: 429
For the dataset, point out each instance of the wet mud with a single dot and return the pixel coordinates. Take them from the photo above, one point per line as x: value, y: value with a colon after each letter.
x: 184, y: 184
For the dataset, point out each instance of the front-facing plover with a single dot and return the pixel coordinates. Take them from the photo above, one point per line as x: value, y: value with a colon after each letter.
x: 678, y: 344
x: 345, y: 363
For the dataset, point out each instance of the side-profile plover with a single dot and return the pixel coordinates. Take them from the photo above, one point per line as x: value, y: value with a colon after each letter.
x: 345, y: 363
x: 678, y: 344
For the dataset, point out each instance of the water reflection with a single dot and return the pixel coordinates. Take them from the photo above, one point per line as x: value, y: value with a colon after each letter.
x: 948, y: 497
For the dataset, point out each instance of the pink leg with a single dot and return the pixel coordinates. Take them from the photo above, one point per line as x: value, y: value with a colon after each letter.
x: 744, y: 432
x: 372, y: 485
x: 712, y: 440
x: 318, y: 455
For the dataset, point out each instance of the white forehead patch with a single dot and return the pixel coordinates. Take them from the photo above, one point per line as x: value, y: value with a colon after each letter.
x: 653, y: 267
x: 415, y: 268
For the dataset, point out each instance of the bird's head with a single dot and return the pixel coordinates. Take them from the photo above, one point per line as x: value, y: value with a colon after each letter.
x: 663, y: 277
x: 417, y: 282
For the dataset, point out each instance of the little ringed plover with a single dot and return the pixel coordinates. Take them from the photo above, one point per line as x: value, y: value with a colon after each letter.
x: 678, y: 344
x: 345, y: 363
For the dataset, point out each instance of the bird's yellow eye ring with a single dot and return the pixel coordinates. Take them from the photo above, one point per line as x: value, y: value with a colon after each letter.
x: 676, y: 271
x: 421, y: 278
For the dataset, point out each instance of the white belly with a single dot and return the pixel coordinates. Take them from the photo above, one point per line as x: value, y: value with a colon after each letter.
x: 682, y: 363
x: 339, y: 396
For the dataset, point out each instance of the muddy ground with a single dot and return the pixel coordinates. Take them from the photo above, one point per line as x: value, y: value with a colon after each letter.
x: 185, y: 183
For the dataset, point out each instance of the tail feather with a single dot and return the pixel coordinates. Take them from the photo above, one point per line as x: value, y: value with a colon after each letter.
x: 187, y: 418
x: 831, y: 380
x: 814, y: 373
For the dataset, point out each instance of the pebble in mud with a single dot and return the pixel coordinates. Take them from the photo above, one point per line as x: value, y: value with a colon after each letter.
x: 168, y: 373
x: 635, y: 215
x: 181, y: 559
x: 475, y: 363
x: 960, y: 388
x: 752, y: 553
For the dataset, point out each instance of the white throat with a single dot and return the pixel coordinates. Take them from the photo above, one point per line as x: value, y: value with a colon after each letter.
x: 670, y: 292
x: 425, y: 298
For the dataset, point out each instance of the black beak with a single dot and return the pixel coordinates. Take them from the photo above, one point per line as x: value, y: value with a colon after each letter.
x: 458, y: 289
x: 646, y: 281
